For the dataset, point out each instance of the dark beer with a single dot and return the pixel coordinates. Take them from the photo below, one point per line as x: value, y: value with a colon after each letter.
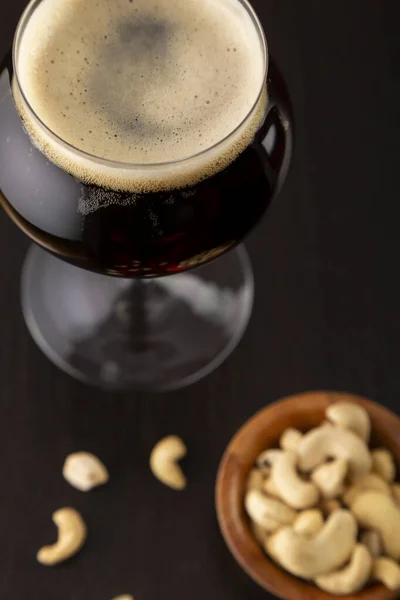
x: 123, y: 149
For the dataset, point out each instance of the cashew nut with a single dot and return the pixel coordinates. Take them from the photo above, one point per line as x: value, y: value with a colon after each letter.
x: 328, y: 441
x: 352, y: 577
x: 255, y: 479
x: 267, y: 458
x: 396, y: 492
x: 350, y: 416
x: 124, y: 597
x: 329, y: 506
x: 163, y: 462
x: 72, y: 534
x: 270, y: 488
x: 84, y: 471
x: 290, y: 439
x: 372, y: 540
x: 259, y: 533
x: 329, y: 478
x: 309, y: 522
x: 362, y: 484
x: 374, y: 510
x: 383, y: 464
x: 386, y: 571
x: 267, y: 512
x: 327, y: 551
x: 292, y: 489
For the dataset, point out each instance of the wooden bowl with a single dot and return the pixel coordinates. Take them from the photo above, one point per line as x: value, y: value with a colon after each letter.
x: 302, y: 411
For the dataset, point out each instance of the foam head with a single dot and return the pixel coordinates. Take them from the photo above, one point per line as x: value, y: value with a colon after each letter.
x: 140, y: 82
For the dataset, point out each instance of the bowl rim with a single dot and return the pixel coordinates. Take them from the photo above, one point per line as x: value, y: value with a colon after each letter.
x: 231, y: 516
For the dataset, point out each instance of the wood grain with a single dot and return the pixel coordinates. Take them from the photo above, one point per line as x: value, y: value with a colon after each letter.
x: 303, y: 412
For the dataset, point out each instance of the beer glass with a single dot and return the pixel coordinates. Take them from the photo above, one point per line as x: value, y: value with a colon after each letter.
x: 122, y: 288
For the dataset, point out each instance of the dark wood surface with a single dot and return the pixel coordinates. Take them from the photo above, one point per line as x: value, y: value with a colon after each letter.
x: 326, y: 316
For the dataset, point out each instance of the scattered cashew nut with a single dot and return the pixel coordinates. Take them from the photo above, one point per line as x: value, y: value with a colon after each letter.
x: 72, y: 533
x: 327, y: 441
x: 267, y: 512
x: 327, y: 551
x: 164, y: 462
x: 387, y: 571
x: 375, y: 510
x: 84, y: 471
x: 350, y: 416
x: 383, y: 464
x: 296, y: 492
x: 329, y: 478
x: 290, y: 439
x: 372, y: 540
x: 352, y: 578
x: 309, y: 522
x: 362, y: 484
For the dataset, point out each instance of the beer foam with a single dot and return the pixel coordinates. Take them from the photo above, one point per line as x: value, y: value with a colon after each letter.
x: 141, y: 82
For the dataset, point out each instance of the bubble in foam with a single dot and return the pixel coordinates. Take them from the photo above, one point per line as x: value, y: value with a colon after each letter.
x: 93, y: 198
x: 158, y: 82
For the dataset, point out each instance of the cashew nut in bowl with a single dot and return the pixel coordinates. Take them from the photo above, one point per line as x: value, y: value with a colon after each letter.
x: 313, y: 475
x: 267, y: 458
x: 267, y: 512
x: 327, y: 441
x: 383, y: 464
x: 296, y: 492
x: 329, y: 506
x: 84, y: 471
x: 255, y: 479
x: 72, y: 534
x: 329, y: 477
x: 322, y: 554
x: 364, y: 483
x: 350, y: 416
x: 164, y: 462
x: 259, y: 533
x: 352, y: 578
x: 309, y: 522
x: 372, y: 540
x: 387, y: 571
x: 290, y: 439
x: 265, y: 470
x: 270, y: 488
x: 374, y: 510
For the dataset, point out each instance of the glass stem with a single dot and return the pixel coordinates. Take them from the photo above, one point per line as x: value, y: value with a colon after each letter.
x: 138, y: 316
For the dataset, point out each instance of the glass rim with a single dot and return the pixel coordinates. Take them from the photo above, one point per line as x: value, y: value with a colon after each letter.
x: 24, y: 20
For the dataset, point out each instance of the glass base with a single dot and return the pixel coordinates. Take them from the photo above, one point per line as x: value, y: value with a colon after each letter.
x: 124, y: 334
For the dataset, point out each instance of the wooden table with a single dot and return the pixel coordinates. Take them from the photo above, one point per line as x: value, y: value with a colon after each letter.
x: 326, y: 316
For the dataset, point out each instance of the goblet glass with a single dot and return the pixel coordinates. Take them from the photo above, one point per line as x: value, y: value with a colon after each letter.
x: 127, y: 294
